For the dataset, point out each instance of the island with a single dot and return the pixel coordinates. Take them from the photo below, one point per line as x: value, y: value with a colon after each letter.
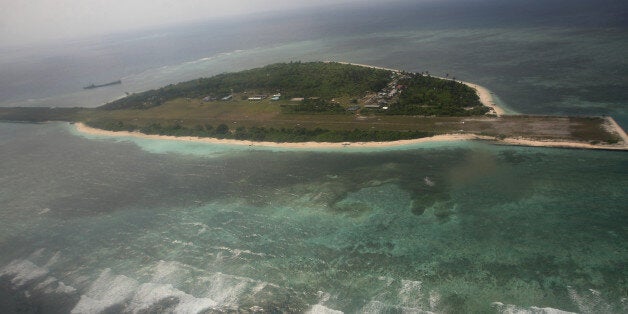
x: 327, y: 104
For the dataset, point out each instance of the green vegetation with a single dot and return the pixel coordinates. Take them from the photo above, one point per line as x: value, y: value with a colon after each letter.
x: 314, y: 106
x: 314, y: 79
x: 279, y: 135
x: 320, y: 83
x: 336, y: 103
x: 424, y: 95
x: 328, y: 89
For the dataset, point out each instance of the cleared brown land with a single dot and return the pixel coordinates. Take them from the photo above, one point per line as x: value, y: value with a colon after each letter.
x: 266, y: 113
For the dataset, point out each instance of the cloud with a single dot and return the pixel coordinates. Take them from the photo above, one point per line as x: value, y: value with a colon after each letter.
x: 40, y: 20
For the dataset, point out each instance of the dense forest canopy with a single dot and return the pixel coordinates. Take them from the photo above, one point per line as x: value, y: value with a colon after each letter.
x: 330, y: 89
x: 295, y: 79
x: 417, y: 94
x: 424, y: 95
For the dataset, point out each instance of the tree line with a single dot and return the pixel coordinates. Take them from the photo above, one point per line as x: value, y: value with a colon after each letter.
x: 427, y: 96
x: 295, y: 79
x: 279, y: 135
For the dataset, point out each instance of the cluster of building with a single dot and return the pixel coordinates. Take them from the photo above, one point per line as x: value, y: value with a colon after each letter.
x: 274, y: 97
x: 262, y: 97
x: 371, y: 101
x: 212, y: 98
x: 386, y: 95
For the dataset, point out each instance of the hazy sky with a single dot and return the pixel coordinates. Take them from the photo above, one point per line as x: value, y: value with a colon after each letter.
x: 27, y: 21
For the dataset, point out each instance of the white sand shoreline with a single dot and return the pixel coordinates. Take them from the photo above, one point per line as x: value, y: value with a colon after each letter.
x: 82, y: 128
x: 484, y: 94
x: 486, y: 98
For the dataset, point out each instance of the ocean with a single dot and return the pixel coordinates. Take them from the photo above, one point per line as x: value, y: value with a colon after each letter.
x: 93, y: 224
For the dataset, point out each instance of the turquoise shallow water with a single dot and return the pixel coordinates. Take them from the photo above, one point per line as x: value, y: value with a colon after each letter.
x: 110, y: 224
x: 91, y: 224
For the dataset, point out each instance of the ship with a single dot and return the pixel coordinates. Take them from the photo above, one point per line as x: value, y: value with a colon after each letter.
x: 102, y: 85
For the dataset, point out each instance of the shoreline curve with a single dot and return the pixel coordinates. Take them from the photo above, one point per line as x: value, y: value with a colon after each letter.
x: 454, y: 137
x: 483, y: 93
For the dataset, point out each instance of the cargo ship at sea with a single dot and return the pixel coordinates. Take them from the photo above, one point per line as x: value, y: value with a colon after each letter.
x: 102, y: 85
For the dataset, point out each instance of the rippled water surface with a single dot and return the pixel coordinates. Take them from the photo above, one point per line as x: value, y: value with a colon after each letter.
x: 93, y: 224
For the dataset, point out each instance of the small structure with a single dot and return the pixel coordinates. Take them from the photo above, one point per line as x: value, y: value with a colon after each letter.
x: 255, y: 98
x: 297, y: 99
x: 371, y: 106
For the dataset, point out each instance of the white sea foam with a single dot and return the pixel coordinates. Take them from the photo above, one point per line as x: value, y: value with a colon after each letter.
x: 202, y: 227
x: 183, y: 243
x: 38, y: 254
x: 150, y: 294
x: 374, y: 307
x: 434, y: 300
x: 42, y: 285
x: 43, y: 211
x: 237, y: 252
x: 411, y: 298
x: 323, y: 296
x: 513, y: 309
x: 107, y: 291
x: 321, y: 309
x: 23, y: 272
x: 219, y: 292
x: 590, y: 301
x: 169, y: 272
x: 389, y: 280
x: 381, y: 307
x: 52, y: 285
x: 411, y: 294
x: 227, y: 289
x: 224, y: 289
x: 53, y: 260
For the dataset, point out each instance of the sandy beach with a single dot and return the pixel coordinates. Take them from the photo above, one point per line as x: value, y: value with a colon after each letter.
x: 323, y: 145
x: 485, y: 97
x: 81, y: 127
